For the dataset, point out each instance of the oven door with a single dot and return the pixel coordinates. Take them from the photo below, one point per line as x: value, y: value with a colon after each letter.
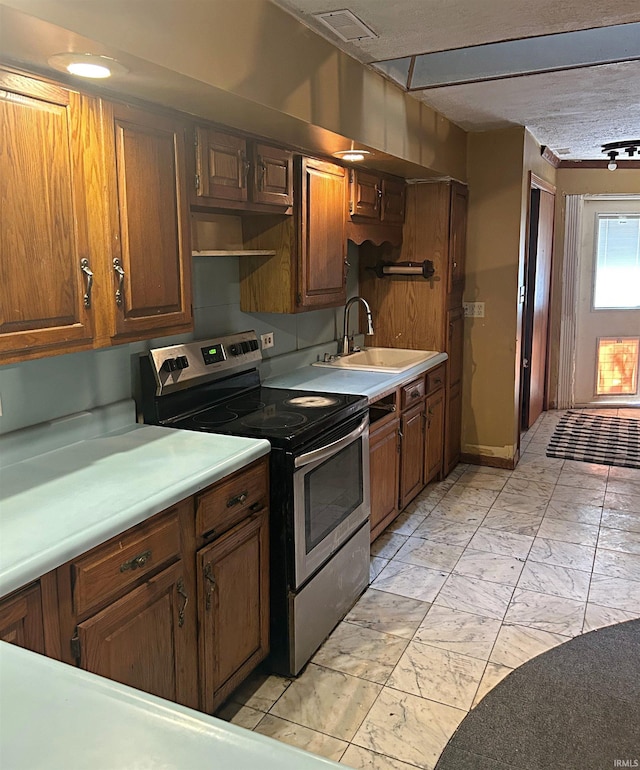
x: 331, y: 497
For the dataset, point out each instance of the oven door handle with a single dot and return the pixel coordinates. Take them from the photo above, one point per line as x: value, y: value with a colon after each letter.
x: 331, y: 449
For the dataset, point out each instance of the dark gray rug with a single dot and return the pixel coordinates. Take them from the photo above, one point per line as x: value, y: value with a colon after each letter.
x: 575, y: 707
x: 596, y: 438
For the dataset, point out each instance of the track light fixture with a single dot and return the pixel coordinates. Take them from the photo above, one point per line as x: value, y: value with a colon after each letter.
x: 613, y: 149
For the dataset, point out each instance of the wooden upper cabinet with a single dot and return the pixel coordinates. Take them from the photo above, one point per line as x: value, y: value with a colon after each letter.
x: 238, y: 173
x: 375, y: 199
x: 392, y: 209
x: 272, y: 175
x: 150, y: 259
x: 222, y: 166
x: 366, y: 193
x: 322, y: 240
x: 457, y: 235
x: 308, y: 270
x: 44, y: 244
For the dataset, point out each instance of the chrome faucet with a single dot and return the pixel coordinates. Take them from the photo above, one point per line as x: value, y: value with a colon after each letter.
x: 345, y: 336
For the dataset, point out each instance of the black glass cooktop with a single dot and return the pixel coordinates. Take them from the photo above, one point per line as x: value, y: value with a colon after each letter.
x: 284, y: 417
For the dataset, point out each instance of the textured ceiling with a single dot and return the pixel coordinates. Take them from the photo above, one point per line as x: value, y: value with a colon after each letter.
x: 574, y: 112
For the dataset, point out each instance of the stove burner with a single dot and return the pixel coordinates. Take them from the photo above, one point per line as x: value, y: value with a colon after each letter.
x: 266, y: 420
x: 245, y: 405
x: 213, y: 417
x: 312, y: 401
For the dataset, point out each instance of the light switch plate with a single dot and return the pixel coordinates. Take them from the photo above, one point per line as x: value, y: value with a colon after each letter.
x: 473, y: 309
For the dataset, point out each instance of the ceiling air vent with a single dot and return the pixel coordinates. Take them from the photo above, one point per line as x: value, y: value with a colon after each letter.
x: 346, y: 25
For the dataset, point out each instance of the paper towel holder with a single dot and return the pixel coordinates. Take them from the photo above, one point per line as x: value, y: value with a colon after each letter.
x: 424, y: 269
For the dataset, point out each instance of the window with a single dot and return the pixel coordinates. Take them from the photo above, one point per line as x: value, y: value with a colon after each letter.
x: 617, y: 273
x: 617, y: 367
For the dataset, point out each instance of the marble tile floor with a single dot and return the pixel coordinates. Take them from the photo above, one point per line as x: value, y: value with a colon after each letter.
x: 482, y: 572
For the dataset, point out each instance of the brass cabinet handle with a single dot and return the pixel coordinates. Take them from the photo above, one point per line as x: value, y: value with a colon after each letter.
x: 238, y: 499
x: 117, y: 266
x: 138, y: 561
x: 211, y: 583
x: 84, y: 266
x: 181, y: 591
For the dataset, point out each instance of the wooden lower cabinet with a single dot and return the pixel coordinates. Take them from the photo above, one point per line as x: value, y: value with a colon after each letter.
x: 384, y: 463
x: 21, y: 619
x: 233, y: 597
x: 412, y: 425
x: 145, y: 639
x: 434, y: 436
x: 454, y: 428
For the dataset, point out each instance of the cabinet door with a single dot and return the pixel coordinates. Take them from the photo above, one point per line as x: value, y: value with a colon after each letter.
x: 455, y: 326
x: 457, y: 235
x: 43, y: 223
x: 233, y: 600
x: 384, y: 463
x: 322, y: 239
x: 434, y: 449
x: 21, y: 619
x: 272, y: 175
x: 146, y: 639
x: 365, y: 195
x: 222, y: 166
x: 412, y: 453
x: 392, y: 202
x: 150, y: 233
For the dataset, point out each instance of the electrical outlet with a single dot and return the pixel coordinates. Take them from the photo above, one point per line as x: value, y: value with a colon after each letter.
x: 473, y: 309
x: 266, y: 340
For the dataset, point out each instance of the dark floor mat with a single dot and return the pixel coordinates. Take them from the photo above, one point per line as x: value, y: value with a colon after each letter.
x: 575, y: 707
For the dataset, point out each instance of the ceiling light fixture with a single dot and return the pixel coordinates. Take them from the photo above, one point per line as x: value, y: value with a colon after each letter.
x: 87, y: 65
x: 613, y: 149
x: 352, y: 155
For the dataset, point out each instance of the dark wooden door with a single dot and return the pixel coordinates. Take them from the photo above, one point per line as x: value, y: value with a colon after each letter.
x: 145, y: 639
x: 434, y: 436
x: 233, y: 591
x: 536, y: 310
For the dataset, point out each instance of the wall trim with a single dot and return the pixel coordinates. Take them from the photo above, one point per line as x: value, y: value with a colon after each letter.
x: 574, y: 205
x: 509, y: 463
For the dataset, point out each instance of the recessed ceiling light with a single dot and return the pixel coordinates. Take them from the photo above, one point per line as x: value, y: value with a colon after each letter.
x: 87, y: 65
x: 351, y: 155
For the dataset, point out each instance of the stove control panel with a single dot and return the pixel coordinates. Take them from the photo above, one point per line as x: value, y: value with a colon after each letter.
x: 179, y: 366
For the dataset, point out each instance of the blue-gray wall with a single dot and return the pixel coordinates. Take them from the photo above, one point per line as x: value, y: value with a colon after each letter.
x: 37, y: 391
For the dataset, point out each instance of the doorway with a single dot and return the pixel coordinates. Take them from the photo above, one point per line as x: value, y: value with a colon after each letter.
x: 537, y: 289
x: 607, y: 346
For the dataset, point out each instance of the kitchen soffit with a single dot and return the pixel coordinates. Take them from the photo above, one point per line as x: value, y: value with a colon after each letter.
x: 574, y: 109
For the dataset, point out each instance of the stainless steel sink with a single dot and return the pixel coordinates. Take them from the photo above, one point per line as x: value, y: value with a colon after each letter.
x: 380, y: 360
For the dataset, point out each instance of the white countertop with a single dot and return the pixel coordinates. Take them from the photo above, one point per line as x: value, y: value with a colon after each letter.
x: 373, y: 385
x: 57, y: 717
x: 61, y: 503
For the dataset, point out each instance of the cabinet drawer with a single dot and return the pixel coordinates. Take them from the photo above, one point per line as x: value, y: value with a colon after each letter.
x: 435, y: 379
x: 411, y: 393
x: 230, y: 501
x: 111, y: 568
